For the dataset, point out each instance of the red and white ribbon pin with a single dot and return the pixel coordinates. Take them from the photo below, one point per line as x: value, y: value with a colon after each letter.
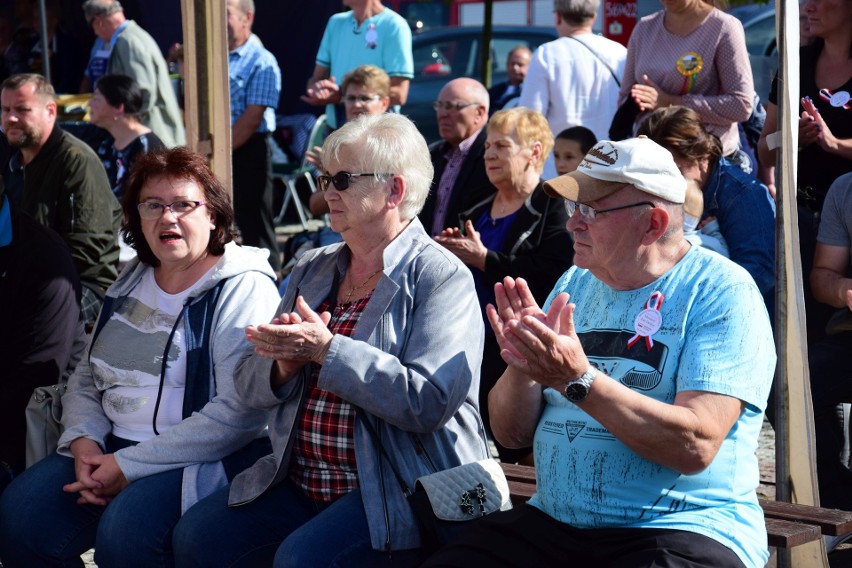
x: 648, y: 321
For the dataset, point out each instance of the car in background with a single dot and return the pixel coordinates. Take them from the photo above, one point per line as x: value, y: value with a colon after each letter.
x: 443, y: 54
x: 759, y: 25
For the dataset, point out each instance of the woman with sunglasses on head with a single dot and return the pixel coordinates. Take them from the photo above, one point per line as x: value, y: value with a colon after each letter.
x: 518, y: 232
x: 151, y: 420
x: 370, y: 368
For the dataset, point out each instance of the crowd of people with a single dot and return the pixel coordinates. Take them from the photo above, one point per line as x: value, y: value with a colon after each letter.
x: 579, y: 274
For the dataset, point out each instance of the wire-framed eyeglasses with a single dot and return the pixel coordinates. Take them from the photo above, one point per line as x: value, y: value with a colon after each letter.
x: 153, y: 210
x: 341, y: 180
x: 589, y: 213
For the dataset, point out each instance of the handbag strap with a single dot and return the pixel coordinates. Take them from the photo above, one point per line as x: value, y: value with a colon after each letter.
x: 374, y: 435
x: 599, y: 58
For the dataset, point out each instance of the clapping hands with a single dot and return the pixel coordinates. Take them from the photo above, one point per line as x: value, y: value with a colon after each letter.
x: 543, y: 346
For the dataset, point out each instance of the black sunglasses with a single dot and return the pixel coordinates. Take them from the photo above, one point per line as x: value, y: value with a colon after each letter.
x: 341, y: 180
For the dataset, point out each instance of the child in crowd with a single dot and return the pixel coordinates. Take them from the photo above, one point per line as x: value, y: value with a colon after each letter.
x: 570, y: 146
x: 704, y: 233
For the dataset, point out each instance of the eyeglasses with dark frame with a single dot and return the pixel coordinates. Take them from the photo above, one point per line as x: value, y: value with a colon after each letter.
x: 589, y: 213
x: 363, y: 99
x: 151, y: 210
x: 341, y: 180
x: 445, y: 105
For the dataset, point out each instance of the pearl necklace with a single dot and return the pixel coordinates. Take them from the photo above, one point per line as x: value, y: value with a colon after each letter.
x: 354, y: 289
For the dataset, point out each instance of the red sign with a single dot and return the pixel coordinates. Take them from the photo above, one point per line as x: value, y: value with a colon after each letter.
x: 619, y: 20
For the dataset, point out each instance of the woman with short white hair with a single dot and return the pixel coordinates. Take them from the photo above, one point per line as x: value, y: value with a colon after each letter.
x: 363, y: 373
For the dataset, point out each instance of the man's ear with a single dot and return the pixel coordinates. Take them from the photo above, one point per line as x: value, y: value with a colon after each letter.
x: 658, y: 223
x: 51, y: 109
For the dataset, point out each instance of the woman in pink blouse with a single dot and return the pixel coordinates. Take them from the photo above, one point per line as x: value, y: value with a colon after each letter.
x: 694, y: 55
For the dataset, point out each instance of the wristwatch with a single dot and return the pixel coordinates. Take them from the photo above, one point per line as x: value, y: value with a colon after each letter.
x: 578, y: 390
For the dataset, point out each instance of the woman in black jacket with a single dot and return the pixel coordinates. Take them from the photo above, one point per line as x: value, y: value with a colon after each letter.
x: 519, y: 231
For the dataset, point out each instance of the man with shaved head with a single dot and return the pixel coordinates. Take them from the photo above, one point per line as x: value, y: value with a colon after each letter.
x: 460, y: 180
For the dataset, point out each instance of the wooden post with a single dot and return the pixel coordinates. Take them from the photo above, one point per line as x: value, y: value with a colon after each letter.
x: 795, y: 448
x: 207, y: 89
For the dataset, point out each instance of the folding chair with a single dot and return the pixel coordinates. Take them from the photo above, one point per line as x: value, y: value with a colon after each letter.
x: 288, y: 173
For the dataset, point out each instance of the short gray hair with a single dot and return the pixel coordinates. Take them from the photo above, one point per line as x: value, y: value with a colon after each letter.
x: 387, y: 143
x: 98, y: 8
x: 576, y: 11
x: 246, y: 6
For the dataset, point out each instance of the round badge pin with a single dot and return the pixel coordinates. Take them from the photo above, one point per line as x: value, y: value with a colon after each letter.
x: 839, y: 99
x: 648, y: 322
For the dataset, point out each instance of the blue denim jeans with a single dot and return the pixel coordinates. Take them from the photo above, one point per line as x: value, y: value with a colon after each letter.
x: 282, y: 527
x: 41, y: 525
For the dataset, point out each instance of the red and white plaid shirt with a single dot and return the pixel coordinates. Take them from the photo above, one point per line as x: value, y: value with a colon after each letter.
x: 323, y: 464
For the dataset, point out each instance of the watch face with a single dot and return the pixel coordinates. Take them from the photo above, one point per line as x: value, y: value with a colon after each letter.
x: 576, y: 391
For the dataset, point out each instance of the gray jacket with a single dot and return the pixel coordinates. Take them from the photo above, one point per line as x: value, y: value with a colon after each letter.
x: 199, y: 442
x: 412, y: 365
x: 137, y: 54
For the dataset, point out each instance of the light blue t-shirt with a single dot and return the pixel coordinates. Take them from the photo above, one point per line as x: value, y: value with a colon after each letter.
x: 710, y: 333
x: 383, y: 40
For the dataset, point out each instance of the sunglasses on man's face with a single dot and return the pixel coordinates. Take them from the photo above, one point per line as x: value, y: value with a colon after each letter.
x: 341, y: 180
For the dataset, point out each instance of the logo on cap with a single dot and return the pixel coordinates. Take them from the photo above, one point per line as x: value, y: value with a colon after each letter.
x: 605, y: 152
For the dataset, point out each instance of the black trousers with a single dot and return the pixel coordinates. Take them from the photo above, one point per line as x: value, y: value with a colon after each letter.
x: 526, y: 536
x: 252, y: 171
x: 831, y: 383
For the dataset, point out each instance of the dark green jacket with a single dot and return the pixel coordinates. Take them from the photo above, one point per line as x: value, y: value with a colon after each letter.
x: 66, y: 188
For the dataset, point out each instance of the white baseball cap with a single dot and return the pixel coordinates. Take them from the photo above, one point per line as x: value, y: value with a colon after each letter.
x: 609, y: 166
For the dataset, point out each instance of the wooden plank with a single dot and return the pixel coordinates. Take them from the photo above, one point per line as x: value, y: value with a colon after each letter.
x: 789, y: 534
x: 787, y: 525
x: 832, y: 522
x: 519, y: 472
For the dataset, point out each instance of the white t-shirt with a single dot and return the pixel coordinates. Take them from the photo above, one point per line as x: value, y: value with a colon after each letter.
x: 571, y: 86
x: 127, y: 361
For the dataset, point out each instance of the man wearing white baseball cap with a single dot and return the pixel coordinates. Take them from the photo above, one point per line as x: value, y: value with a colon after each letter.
x: 643, y: 398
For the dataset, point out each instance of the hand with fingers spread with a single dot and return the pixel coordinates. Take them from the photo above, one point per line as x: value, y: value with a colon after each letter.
x: 514, y: 301
x: 546, y: 349
x: 465, y: 244
x: 293, y: 340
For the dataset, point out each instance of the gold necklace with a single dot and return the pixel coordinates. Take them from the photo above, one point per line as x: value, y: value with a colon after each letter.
x: 354, y: 289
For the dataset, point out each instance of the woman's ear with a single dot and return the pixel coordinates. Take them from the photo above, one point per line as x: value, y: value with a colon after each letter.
x: 397, y: 192
x: 536, y: 149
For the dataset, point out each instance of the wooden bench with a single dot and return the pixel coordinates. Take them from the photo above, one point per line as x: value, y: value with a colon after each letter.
x: 787, y: 524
